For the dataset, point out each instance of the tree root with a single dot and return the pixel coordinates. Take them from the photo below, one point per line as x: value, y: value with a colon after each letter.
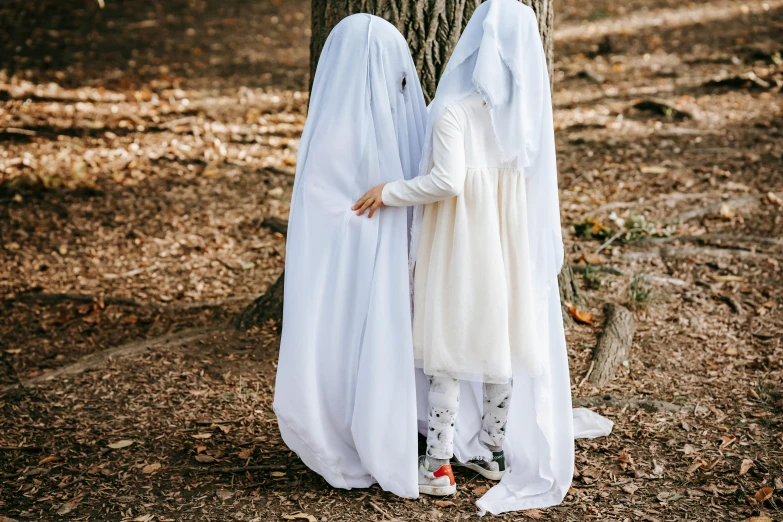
x: 99, y: 359
x: 614, y: 344
x: 269, y: 306
x: 39, y: 297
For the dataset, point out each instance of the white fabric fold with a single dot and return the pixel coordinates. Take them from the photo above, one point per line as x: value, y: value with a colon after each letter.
x: 345, y: 388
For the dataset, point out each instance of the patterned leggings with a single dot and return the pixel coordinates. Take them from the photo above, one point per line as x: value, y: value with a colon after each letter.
x: 444, y: 406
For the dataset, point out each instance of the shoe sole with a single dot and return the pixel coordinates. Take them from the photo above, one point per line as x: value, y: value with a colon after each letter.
x: 437, y: 491
x: 491, y: 475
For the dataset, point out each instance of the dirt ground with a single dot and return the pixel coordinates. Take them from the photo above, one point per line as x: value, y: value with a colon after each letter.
x: 141, y: 147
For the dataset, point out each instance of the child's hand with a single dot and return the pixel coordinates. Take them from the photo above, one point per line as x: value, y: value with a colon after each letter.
x: 372, y: 200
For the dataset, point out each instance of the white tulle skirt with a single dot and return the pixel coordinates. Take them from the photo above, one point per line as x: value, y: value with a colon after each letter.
x: 473, y: 288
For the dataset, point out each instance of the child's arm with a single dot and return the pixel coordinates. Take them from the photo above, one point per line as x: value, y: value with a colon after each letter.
x: 445, y: 180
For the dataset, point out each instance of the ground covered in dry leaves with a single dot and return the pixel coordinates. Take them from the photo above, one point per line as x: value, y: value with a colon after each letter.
x: 141, y: 147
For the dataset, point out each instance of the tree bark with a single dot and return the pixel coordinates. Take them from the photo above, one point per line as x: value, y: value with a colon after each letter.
x: 613, y: 345
x: 431, y: 28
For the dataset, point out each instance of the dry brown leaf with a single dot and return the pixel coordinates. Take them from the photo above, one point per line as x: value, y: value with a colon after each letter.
x: 726, y: 441
x: 751, y: 519
x: 726, y: 212
x: 206, y: 459
x: 698, y: 463
x: 591, y: 259
x: 480, y: 490
x: 224, y: 494
x: 580, y: 316
x: 245, y: 453
x: 630, y: 488
x: 745, y: 466
x: 278, y: 474
x: 625, y: 459
x: 296, y: 516
x: 69, y: 506
x: 49, y: 459
x: 151, y: 468
x: 121, y: 444
x: 225, y: 429
x: 535, y: 514
x: 200, y: 449
x: 444, y: 503
x: 752, y: 394
x: 712, y: 463
x: 202, y: 436
x: 763, y: 494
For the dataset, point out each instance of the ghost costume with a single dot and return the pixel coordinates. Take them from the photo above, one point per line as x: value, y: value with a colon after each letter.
x: 487, y: 249
x: 345, y: 389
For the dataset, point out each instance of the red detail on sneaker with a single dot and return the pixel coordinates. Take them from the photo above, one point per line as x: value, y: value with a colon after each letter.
x: 446, y: 471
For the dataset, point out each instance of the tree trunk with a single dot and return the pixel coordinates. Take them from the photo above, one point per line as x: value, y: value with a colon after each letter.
x: 432, y: 28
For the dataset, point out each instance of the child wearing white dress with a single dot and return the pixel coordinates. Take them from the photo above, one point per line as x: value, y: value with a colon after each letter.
x: 474, y: 291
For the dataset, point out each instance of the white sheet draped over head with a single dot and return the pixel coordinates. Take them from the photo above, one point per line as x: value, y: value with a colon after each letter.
x: 500, y: 55
x: 345, y: 389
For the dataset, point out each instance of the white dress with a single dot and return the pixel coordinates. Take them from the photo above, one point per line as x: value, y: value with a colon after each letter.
x: 473, y: 293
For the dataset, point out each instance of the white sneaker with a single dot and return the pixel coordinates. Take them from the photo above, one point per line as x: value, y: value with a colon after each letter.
x: 491, y: 469
x: 439, y: 483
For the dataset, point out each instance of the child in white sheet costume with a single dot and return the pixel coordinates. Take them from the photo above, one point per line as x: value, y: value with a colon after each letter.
x: 487, y: 251
x: 345, y: 394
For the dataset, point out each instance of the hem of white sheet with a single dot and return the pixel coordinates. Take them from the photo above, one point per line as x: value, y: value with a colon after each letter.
x: 336, y: 477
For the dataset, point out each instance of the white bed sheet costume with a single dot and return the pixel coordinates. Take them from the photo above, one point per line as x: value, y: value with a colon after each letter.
x: 346, y: 385
x: 345, y: 393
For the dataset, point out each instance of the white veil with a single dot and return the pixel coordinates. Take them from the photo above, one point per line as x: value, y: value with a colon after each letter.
x: 345, y: 389
x: 500, y: 55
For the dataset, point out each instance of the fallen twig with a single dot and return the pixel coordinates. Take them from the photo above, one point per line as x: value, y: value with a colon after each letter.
x: 261, y: 467
x: 610, y: 240
x: 704, y: 238
x: 587, y: 375
x: 21, y: 448
x: 616, y: 271
x: 692, y: 251
x: 677, y: 196
x: 633, y: 402
x: 733, y: 303
x: 380, y: 510
x: 732, y: 204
